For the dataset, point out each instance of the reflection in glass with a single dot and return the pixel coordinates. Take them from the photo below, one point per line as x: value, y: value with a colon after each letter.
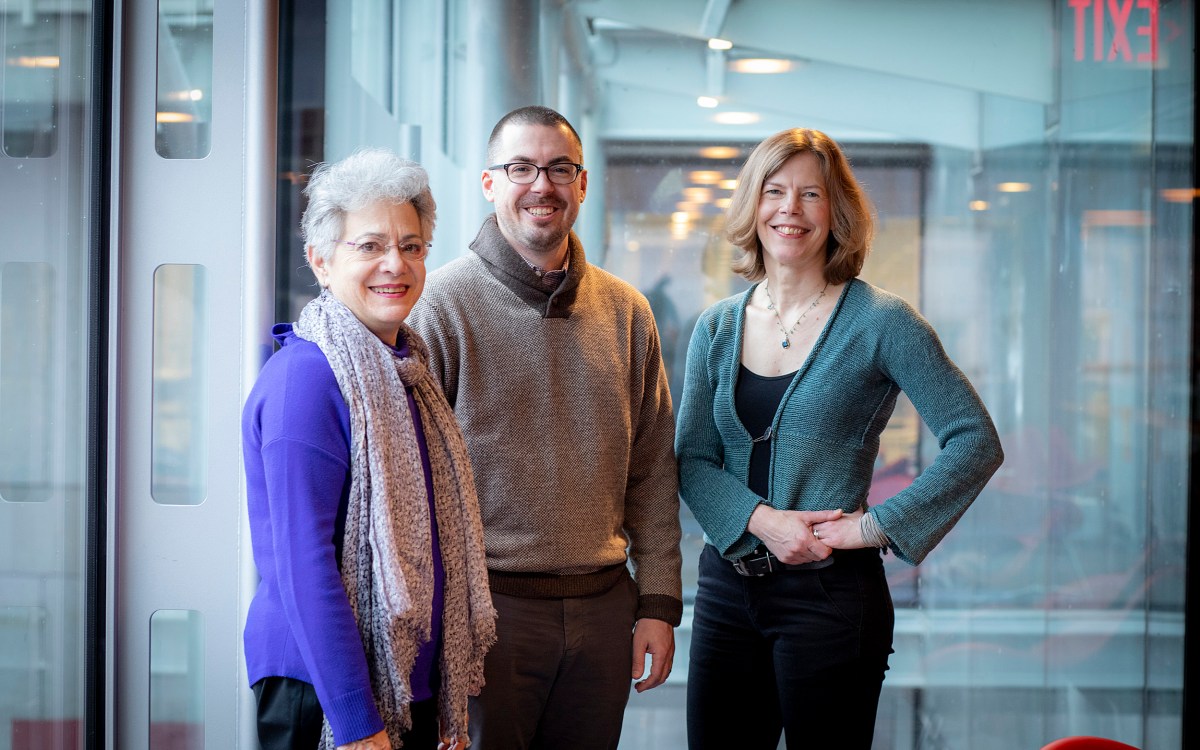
x: 177, y: 680
x: 45, y: 333
x: 179, y: 402
x: 183, y: 116
x: 32, y: 58
x: 26, y: 380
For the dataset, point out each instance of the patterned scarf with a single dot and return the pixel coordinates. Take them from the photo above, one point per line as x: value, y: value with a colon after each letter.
x: 387, y: 557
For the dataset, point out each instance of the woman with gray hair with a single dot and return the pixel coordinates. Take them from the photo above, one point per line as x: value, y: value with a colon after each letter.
x: 373, y: 615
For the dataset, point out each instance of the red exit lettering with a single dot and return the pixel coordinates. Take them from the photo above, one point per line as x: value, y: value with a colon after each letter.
x: 1120, y: 13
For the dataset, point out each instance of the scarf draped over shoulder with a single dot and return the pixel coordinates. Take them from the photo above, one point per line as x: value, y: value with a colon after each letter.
x: 387, y: 556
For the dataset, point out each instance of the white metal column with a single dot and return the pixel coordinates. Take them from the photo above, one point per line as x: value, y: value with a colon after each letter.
x: 216, y: 212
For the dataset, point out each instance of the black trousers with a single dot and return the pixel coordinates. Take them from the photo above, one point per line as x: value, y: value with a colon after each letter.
x: 799, y: 651
x: 290, y: 717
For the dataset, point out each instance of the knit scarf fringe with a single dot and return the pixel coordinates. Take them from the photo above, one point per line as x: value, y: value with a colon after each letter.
x: 387, y: 557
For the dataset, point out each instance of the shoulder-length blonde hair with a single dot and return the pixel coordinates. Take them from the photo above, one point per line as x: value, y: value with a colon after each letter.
x: 853, y: 224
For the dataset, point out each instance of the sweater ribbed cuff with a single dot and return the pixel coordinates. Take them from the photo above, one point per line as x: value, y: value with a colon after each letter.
x: 353, y: 716
x: 660, y: 607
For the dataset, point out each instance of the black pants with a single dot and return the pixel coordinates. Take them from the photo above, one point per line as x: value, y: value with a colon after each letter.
x: 290, y: 717
x: 799, y: 651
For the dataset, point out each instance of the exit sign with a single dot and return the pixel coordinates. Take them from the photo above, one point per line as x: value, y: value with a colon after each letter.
x: 1111, y: 24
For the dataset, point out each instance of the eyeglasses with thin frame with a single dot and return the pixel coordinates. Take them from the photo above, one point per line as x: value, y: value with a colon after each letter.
x: 411, y: 250
x: 524, y: 173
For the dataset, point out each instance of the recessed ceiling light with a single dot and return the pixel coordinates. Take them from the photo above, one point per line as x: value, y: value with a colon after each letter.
x: 737, y: 118
x: 760, y: 65
x: 705, y: 176
x: 174, y: 117
x: 720, y: 44
x: 708, y: 102
x: 1014, y: 187
x: 1179, y: 195
x: 39, y: 61
x: 720, y: 152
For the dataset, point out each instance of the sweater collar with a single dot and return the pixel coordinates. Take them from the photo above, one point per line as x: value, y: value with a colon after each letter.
x: 511, y: 270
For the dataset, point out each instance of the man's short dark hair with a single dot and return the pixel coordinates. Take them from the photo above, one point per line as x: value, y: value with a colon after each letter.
x: 531, y: 115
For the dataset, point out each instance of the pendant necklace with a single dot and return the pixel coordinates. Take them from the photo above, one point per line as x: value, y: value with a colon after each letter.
x: 787, y: 332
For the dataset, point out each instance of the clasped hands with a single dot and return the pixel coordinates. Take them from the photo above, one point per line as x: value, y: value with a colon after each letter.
x: 801, y: 536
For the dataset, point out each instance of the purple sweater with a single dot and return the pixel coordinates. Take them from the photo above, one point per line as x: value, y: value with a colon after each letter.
x: 296, y: 445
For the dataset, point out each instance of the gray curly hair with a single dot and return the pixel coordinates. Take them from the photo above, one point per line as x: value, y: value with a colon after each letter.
x: 367, y: 176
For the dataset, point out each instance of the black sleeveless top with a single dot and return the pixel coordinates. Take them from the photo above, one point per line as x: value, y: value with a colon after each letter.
x: 756, y: 399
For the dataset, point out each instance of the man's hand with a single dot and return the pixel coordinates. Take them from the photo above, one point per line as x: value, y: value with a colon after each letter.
x: 656, y: 639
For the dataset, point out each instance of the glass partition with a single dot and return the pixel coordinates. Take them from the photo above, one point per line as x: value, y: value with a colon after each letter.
x: 1035, y: 199
x: 177, y: 680
x: 179, y: 471
x: 47, y: 220
x: 183, y: 115
x: 27, y: 313
x: 33, y: 58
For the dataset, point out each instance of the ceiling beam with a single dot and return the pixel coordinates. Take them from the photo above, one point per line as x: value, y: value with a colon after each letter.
x: 713, y: 19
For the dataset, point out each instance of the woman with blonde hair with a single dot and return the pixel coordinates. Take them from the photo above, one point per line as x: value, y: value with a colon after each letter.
x: 787, y: 389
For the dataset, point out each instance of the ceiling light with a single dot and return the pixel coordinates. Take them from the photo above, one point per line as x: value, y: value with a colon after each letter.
x: 722, y: 202
x: 737, y: 118
x: 720, y: 152
x: 708, y: 102
x: 727, y: 184
x: 979, y: 205
x: 1014, y: 187
x: 187, y: 95
x: 1179, y: 195
x: 720, y: 44
x: 174, y: 117
x: 41, y: 61
x: 705, y: 176
x: 680, y: 217
x: 697, y: 194
x: 760, y: 65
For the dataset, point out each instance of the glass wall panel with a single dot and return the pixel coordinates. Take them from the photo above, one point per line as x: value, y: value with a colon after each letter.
x: 1031, y: 165
x: 179, y: 472
x: 46, y: 173
x: 177, y: 680
x: 32, y: 63
x: 183, y: 115
x: 26, y: 439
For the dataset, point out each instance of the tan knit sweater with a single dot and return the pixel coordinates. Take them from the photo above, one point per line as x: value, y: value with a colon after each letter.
x: 564, y: 403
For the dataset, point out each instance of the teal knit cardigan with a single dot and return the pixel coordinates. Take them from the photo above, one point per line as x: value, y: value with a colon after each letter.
x: 826, y: 430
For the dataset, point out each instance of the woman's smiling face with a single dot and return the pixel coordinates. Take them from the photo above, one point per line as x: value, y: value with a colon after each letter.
x: 379, y: 287
x: 793, y: 212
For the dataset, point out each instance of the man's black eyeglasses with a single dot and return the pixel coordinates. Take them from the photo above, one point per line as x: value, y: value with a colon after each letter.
x: 524, y: 173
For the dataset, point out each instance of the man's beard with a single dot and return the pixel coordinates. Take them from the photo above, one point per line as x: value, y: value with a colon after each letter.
x: 543, y: 240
